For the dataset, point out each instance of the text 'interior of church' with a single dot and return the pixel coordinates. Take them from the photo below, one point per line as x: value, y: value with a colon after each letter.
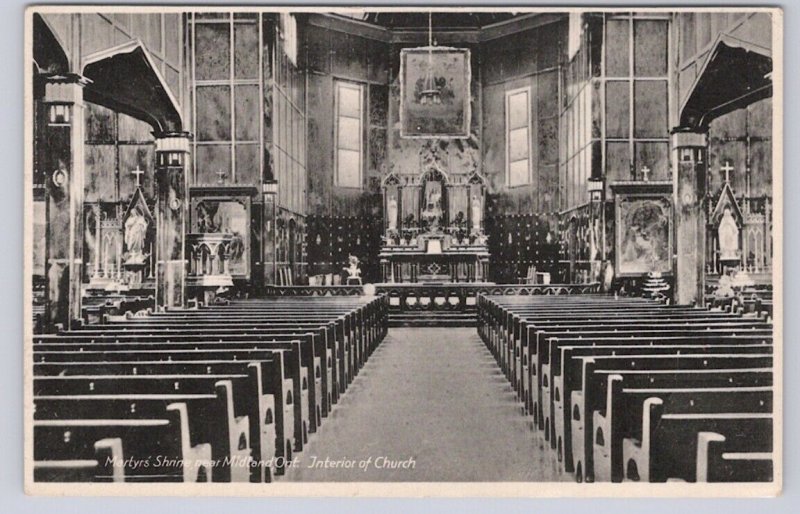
x: 235, y: 211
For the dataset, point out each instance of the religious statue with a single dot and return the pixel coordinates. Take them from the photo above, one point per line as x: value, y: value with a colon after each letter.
x: 135, y: 233
x: 391, y: 212
x: 352, y: 269
x: 432, y: 212
x: 477, y: 212
x: 728, y: 233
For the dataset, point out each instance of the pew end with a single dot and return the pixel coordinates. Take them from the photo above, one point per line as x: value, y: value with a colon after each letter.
x: 197, y: 460
x: 636, y: 452
x: 714, y: 464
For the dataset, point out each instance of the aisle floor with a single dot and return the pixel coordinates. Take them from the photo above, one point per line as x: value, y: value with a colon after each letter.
x: 434, y: 400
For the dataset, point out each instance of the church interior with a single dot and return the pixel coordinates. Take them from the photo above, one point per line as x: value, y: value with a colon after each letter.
x: 424, y: 195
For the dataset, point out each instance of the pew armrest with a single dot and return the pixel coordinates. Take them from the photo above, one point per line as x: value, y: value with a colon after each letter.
x: 714, y: 464
x: 704, y: 441
x: 113, y: 448
x: 636, y: 452
x: 194, y: 458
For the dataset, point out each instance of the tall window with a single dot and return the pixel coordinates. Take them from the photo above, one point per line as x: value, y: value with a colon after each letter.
x: 349, y: 107
x: 227, y: 71
x: 518, y: 137
x: 637, y: 96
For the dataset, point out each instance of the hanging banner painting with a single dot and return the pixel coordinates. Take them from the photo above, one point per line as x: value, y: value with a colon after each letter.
x: 435, y: 92
x: 644, y: 228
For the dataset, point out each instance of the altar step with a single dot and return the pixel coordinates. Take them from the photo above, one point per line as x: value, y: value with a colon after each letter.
x: 433, y: 319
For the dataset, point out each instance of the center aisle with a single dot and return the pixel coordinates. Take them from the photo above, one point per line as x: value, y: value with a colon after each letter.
x: 434, y: 399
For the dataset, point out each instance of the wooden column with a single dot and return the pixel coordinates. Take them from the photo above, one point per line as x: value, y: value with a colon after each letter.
x: 172, y: 217
x: 690, y: 164
x: 270, y: 193
x: 61, y: 155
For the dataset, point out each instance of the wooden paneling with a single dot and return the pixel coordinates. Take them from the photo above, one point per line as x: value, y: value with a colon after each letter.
x: 335, y: 55
x: 526, y: 59
x: 100, y: 173
x: 744, y: 137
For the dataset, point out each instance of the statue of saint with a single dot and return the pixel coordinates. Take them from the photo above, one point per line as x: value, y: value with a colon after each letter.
x: 391, y: 212
x: 434, y: 200
x: 135, y: 233
x: 728, y: 234
x: 353, y: 270
x: 477, y: 213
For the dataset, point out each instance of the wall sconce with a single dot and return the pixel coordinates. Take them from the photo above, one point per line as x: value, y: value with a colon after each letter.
x: 59, y: 113
x: 595, y: 188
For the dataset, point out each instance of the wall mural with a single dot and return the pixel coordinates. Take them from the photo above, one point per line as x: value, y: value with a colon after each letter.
x: 644, y: 235
x: 446, y: 71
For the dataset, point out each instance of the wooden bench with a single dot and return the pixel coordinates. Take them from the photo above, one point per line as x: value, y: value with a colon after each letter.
x: 293, y: 372
x: 313, y: 354
x: 274, y: 432
x: 623, y: 415
x: 581, y: 401
x: 271, y: 353
x: 740, y: 443
x: 565, y: 355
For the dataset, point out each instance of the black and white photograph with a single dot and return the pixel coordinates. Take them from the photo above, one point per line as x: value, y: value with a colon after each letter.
x: 403, y: 251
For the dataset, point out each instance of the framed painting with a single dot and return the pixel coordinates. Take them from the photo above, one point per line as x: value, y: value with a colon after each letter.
x: 643, y: 228
x: 444, y: 72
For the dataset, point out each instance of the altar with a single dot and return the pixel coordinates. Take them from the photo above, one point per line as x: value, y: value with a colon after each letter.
x: 434, y: 227
x: 461, y: 264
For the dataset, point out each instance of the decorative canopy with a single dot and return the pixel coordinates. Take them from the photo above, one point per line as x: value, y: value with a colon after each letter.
x: 726, y: 200
x: 126, y: 79
x: 734, y: 74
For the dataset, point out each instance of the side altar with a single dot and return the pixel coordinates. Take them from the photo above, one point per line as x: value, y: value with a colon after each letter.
x: 434, y: 227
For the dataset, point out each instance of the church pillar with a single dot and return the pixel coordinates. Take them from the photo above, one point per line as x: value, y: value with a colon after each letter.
x: 690, y: 165
x: 172, y: 211
x: 61, y: 146
x: 268, y: 228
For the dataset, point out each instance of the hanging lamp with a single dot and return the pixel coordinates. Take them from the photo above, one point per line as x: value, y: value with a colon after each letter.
x: 430, y: 94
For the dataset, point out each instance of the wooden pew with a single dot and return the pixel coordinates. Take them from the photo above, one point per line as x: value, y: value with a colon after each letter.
x: 159, y: 352
x: 293, y: 372
x: 555, y: 407
x: 543, y: 344
x: 588, y: 397
x: 551, y: 364
x: 540, y: 347
x: 199, y: 446
x: 741, y: 442
x: 313, y: 354
x: 275, y: 432
x: 246, y: 387
x: 623, y: 415
x: 223, y: 329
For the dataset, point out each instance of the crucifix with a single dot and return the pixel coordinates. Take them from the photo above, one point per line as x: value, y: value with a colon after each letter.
x: 221, y: 174
x: 727, y: 168
x: 138, y: 174
x: 645, y: 173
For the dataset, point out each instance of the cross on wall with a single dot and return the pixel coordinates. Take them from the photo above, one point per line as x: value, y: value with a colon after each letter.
x: 221, y: 176
x: 727, y: 168
x: 137, y: 173
x: 645, y: 173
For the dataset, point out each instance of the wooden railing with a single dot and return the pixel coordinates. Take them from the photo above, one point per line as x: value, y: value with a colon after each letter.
x: 435, y: 297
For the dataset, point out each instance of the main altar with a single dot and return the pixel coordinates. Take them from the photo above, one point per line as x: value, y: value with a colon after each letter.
x: 434, y: 227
